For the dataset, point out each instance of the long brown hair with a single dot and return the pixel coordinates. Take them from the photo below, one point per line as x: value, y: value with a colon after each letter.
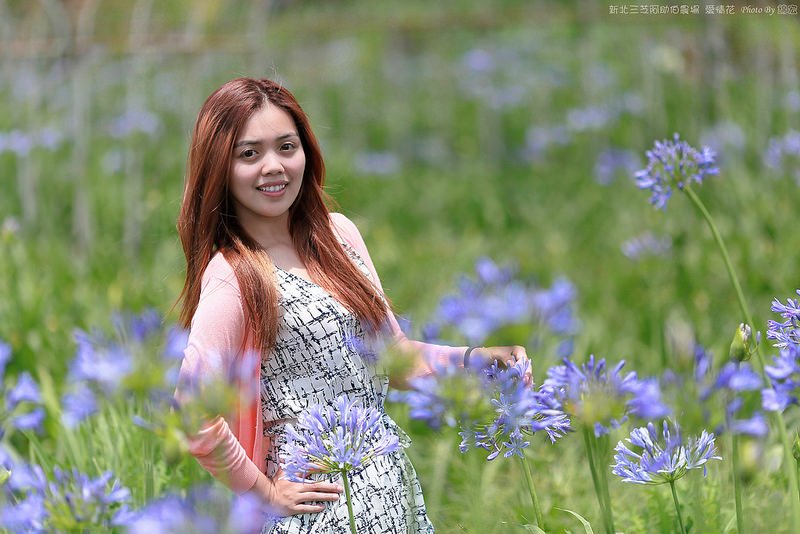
x: 207, y: 222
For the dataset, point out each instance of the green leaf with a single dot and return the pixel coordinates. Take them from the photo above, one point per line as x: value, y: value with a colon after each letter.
x: 586, y: 526
x: 527, y: 526
x: 534, y: 529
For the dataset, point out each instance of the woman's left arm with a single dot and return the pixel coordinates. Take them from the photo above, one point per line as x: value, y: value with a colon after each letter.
x: 425, y: 355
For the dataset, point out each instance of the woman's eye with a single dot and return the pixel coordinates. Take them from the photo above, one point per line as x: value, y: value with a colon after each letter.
x: 287, y: 146
x: 248, y: 153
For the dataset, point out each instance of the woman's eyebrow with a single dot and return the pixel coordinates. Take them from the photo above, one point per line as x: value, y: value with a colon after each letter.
x: 259, y: 141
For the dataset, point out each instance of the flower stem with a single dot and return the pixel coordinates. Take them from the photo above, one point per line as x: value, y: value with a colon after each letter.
x: 602, y: 493
x: 677, y: 506
x: 602, y: 449
x: 349, y: 503
x: 737, y: 483
x: 794, y: 485
x: 728, y: 265
x: 536, y: 508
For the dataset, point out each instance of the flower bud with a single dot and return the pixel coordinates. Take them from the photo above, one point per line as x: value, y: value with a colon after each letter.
x: 796, y: 448
x: 742, y: 344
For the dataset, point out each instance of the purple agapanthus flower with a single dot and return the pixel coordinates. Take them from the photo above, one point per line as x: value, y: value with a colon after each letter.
x: 21, y: 404
x: 706, y: 389
x: 78, y: 405
x: 674, y: 164
x: 519, y: 410
x: 496, y: 300
x: 646, y: 244
x: 784, y: 373
x: 26, y: 390
x: 39, y: 504
x: 103, y: 364
x: 602, y: 398
x: 428, y: 399
x: 5, y: 357
x: 25, y: 515
x: 335, y: 439
x: 615, y: 161
x: 204, y: 510
x: 661, y: 458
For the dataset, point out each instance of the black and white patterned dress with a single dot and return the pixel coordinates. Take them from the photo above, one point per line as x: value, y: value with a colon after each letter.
x: 314, y: 361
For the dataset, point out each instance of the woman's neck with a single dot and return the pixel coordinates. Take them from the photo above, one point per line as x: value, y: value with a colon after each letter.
x: 269, y: 232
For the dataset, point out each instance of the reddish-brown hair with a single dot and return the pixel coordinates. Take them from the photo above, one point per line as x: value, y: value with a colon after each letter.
x: 207, y: 222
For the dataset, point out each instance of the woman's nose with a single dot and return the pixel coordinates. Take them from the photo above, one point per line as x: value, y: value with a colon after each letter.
x: 271, y: 165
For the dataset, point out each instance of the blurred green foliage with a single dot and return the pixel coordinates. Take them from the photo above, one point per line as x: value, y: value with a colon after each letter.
x: 427, y: 115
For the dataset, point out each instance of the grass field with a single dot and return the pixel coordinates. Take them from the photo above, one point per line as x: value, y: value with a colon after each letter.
x: 451, y: 132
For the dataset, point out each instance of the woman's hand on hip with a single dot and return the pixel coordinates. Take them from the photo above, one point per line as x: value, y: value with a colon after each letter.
x: 291, y: 498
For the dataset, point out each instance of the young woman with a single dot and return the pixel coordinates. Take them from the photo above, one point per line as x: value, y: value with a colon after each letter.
x: 270, y: 270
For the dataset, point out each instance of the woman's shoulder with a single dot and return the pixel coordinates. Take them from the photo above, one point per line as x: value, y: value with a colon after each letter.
x: 346, y: 229
x: 339, y: 221
x: 219, y: 274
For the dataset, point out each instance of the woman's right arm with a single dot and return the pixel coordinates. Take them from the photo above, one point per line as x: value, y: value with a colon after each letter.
x: 215, y: 343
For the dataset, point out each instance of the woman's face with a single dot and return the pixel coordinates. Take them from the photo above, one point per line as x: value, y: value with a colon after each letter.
x: 266, y: 168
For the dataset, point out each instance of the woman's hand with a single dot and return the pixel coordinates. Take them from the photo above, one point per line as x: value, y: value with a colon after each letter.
x: 289, y: 498
x: 506, y: 355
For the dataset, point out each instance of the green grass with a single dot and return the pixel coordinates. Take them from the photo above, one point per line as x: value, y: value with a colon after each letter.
x: 389, y: 77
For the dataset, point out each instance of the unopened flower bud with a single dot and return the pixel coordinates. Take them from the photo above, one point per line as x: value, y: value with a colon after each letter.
x: 796, y: 448
x: 742, y: 344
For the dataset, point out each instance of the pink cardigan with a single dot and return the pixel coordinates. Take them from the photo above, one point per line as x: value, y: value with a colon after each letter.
x: 232, y: 448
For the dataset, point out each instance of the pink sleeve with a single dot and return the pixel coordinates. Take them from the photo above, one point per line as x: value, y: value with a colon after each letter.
x: 432, y: 353
x: 215, y: 339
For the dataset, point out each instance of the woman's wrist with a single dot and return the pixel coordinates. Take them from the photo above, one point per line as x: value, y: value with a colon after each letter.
x: 468, y: 355
x: 263, y: 488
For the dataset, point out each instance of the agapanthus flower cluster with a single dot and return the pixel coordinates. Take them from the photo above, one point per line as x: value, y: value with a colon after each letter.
x: 613, y: 162
x: 724, y: 138
x: 71, y: 501
x: 646, y: 244
x: 539, y: 139
x: 446, y: 396
x: 674, y: 164
x: 708, y: 387
x: 660, y: 458
x: 22, y: 402
x: 602, y: 398
x: 22, y: 143
x: 141, y: 358
x: 496, y: 300
x: 519, y: 412
x: 133, y: 121
x: 204, y: 510
x: 784, y: 373
x: 335, y: 439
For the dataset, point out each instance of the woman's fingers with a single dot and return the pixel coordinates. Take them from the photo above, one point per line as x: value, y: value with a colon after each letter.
x: 519, y: 354
x: 308, y: 496
x: 307, y: 509
x: 329, y: 490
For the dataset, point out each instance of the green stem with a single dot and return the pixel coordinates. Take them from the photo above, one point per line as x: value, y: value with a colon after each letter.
x: 536, y: 508
x: 737, y: 484
x: 794, y: 487
x: 677, y: 506
x: 796, y: 474
x: 349, y: 503
x: 605, y: 509
x: 602, y: 456
x: 728, y: 265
